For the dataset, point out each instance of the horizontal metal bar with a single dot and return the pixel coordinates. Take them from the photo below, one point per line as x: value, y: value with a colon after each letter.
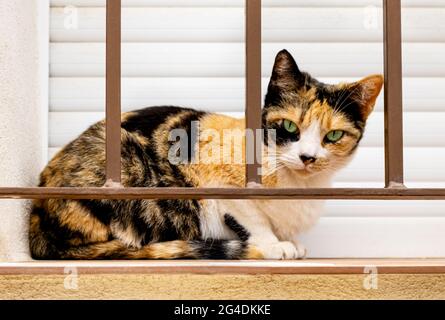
x: 307, y: 266
x: 224, y: 193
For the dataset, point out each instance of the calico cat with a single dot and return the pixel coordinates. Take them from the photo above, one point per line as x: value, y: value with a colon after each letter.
x: 316, y: 127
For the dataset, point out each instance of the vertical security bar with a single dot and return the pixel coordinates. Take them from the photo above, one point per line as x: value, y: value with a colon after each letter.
x: 393, y: 93
x: 253, y: 89
x: 113, y: 92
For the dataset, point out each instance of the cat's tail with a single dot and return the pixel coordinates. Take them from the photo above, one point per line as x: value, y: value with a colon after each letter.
x: 196, y: 249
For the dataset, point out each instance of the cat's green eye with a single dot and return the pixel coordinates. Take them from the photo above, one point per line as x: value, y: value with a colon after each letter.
x: 290, y: 126
x: 334, y: 135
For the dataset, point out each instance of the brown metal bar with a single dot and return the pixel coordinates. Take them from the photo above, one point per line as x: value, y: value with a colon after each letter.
x: 393, y: 129
x: 308, y: 266
x: 393, y: 94
x: 253, y: 89
x: 224, y: 193
x: 113, y: 92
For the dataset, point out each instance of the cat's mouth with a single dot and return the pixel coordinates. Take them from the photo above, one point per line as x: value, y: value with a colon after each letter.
x: 302, y: 169
x: 306, y: 170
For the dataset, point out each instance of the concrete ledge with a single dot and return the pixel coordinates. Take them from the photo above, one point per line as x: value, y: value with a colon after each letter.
x: 304, y: 279
x: 195, y: 286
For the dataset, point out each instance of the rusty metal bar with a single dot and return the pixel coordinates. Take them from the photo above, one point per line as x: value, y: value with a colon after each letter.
x: 313, y: 266
x: 393, y: 129
x: 113, y: 92
x: 393, y: 94
x: 224, y: 193
x: 253, y: 90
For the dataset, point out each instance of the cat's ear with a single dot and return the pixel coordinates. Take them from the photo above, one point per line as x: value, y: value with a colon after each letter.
x: 366, y: 92
x: 286, y: 77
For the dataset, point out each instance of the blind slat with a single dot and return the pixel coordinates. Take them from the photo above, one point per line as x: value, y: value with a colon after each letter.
x: 227, y: 60
x: 240, y: 3
x: 227, y: 25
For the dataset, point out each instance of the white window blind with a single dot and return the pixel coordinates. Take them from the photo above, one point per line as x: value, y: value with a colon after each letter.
x: 191, y: 53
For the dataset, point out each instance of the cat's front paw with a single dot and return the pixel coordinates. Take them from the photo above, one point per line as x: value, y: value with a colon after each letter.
x: 283, y: 250
x: 302, y: 252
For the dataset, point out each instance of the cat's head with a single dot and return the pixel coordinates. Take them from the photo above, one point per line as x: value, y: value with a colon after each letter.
x: 317, y: 126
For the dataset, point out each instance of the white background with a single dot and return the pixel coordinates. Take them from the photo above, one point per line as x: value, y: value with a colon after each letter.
x: 191, y: 53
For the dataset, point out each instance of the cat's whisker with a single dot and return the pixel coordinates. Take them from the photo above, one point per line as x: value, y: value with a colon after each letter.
x: 342, y: 93
x: 341, y: 106
x: 274, y: 168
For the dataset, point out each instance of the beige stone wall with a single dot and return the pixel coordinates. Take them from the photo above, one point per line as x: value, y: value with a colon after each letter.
x: 23, y: 113
x: 153, y: 286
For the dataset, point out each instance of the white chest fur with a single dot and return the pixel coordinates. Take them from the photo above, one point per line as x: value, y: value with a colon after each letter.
x: 286, y: 218
x: 291, y: 217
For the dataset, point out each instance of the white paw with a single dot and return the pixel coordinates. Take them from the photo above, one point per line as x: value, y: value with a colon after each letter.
x: 280, y: 251
x: 302, y: 251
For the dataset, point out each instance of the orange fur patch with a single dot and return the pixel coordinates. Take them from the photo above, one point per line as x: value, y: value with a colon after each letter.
x: 76, y: 218
x: 253, y: 253
x: 168, y: 250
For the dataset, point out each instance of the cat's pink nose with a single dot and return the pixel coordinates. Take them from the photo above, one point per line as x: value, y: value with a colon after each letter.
x: 307, y: 159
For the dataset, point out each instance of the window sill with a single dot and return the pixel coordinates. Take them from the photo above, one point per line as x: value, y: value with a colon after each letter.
x: 308, y: 266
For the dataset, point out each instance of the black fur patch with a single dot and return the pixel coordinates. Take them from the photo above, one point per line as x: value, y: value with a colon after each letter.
x: 344, y: 101
x: 147, y: 120
x: 239, y: 230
